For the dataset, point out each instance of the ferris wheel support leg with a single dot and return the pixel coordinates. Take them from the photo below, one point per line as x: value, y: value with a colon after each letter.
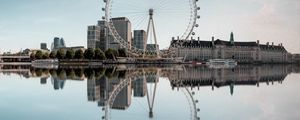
x: 155, y: 39
x: 145, y: 41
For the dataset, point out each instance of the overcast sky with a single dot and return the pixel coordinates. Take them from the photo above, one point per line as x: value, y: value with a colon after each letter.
x: 25, y: 24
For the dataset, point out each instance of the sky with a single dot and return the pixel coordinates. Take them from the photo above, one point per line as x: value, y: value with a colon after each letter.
x: 25, y: 24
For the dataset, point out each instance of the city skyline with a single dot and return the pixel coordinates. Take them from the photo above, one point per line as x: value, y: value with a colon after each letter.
x: 36, y: 22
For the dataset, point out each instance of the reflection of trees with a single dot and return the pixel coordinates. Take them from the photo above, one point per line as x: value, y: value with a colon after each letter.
x: 79, y: 73
x: 89, y: 73
x: 111, y: 73
x: 39, y: 72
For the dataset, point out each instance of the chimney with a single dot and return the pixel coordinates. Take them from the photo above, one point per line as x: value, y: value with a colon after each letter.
x: 272, y: 43
x: 173, y: 38
x: 192, y: 38
x: 198, y: 38
x: 258, y: 42
x: 268, y: 44
x: 177, y: 37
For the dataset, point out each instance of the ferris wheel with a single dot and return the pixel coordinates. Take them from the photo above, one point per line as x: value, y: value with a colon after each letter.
x: 160, y: 19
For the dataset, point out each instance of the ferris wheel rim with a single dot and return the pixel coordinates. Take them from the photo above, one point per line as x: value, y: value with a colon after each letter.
x: 189, y: 31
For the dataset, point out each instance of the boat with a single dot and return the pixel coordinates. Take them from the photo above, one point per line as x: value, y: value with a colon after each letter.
x: 221, y: 63
x: 45, y: 63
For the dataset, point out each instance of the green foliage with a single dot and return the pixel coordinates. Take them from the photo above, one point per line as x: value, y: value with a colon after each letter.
x: 111, y: 53
x: 52, y: 54
x: 32, y: 56
x: 89, y: 54
x: 46, y: 55
x: 122, y: 52
x: 79, y: 54
x: 89, y: 73
x: 60, y: 54
x: 70, y: 54
x: 39, y: 54
x: 99, y: 54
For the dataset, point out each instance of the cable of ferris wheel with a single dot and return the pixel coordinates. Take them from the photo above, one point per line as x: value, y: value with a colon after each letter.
x: 126, y: 4
x: 142, y: 21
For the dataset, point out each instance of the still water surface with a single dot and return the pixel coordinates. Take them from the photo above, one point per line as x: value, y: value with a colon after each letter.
x: 172, y: 92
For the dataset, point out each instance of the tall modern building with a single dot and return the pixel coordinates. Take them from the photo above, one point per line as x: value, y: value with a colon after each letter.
x: 152, y: 47
x: 106, y: 39
x: 44, y: 46
x: 58, y: 43
x: 93, y: 36
x: 123, y: 27
x: 99, y: 36
x: 140, y: 37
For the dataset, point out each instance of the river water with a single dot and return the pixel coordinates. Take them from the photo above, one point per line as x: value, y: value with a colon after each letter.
x: 147, y: 92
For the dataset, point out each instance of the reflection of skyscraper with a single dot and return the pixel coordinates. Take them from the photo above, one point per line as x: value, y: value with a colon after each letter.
x: 93, y: 89
x: 140, y: 87
x: 58, y: 84
x: 122, y: 100
x: 151, y: 78
x: 44, y: 80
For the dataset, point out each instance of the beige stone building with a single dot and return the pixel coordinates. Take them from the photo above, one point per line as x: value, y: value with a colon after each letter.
x: 243, y: 52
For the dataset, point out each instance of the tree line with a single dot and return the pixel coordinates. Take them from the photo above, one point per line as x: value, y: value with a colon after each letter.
x: 91, y: 54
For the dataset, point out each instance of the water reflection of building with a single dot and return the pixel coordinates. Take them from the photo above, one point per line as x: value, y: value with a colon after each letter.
x: 99, y: 89
x: 93, y: 89
x: 57, y: 83
x: 241, y: 75
x: 139, y: 87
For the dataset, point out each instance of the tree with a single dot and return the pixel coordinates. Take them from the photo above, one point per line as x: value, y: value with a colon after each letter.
x: 79, y: 54
x: 99, y: 54
x: 116, y: 52
x: 32, y: 56
x: 122, y: 52
x: 60, y: 54
x: 109, y: 54
x: 46, y: 55
x: 39, y: 54
x: 70, y: 54
x: 52, y: 54
x: 89, y: 53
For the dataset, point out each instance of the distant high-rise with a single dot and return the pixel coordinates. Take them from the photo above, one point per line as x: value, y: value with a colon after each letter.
x: 152, y: 47
x: 123, y: 27
x: 106, y: 39
x: 99, y: 36
x: 58, y: 43
x: 139, y: 39
x: 93, y: 37
x: 44, y: 46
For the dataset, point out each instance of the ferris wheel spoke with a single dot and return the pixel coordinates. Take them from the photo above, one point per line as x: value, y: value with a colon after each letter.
x: 137, y: 11
x: 141, y: 22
